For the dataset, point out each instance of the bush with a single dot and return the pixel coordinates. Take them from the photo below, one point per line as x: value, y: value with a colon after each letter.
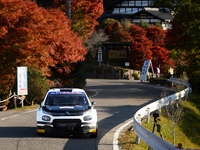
x: 78, y: 75
x: 37, y: 86
x: 89, y: 69
x: 136, y: 76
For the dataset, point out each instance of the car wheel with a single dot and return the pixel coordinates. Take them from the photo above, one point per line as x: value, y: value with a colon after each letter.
x: 94, y: 135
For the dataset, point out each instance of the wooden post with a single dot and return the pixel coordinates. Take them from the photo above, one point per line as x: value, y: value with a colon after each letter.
x: 15, y: 100
x: 68, y: 9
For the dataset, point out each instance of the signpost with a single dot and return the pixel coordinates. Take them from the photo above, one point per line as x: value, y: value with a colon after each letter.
x: 127, y: 64
x: 100, y: 56
x: 22, y: 81
x: 145, y: 69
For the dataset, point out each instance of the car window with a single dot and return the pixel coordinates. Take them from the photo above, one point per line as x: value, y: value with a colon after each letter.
x: 66, y: 99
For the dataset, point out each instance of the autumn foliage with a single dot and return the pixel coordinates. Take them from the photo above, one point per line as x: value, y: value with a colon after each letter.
x: 148, y: 44
x: 83, y: 15
x: 34, y: 36
x: 140, y: 50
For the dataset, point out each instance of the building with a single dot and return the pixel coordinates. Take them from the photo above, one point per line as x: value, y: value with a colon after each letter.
x: 136, y: 11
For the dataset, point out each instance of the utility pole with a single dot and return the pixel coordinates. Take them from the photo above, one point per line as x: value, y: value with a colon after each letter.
x: 68, y: 9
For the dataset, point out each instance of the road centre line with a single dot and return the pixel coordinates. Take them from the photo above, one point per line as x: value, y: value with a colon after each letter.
x: 94, y: 94
x: 18, y: 114
x: 117, y: 132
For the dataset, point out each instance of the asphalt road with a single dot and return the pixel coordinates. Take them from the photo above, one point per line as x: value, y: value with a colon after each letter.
x: 117, y: 101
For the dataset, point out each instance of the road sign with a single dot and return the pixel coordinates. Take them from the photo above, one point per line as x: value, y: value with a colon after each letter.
x: 145, y: 69
x: 22, y: 78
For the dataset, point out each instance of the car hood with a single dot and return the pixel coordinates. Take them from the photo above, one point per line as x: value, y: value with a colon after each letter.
x: 74, y: 110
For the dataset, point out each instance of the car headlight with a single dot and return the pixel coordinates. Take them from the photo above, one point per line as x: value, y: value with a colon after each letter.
x: 87, y: 118
x: 46, y: 118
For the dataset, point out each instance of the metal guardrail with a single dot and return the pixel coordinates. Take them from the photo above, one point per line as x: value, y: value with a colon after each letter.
x: 149, y: 138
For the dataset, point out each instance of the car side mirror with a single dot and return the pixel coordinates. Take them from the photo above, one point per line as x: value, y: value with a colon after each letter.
x: 39, y: 103
x: 93, y: 103
x: 89, y: 107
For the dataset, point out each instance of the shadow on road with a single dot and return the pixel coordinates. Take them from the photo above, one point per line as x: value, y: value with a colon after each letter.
x: 17, y: 132
x: 116, y: 103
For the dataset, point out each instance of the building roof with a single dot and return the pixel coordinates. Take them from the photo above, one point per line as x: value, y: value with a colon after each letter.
x: 109, y: 4
x: 161, y: 14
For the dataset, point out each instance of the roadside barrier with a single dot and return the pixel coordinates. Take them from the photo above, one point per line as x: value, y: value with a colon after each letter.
x: 148, y: 137
x: 7, y: 99
x: 21, y: 98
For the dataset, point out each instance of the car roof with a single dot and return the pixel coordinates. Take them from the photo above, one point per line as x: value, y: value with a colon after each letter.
x: 70, y: 90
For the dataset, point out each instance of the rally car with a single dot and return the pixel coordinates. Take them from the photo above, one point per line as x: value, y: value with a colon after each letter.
x: 67, y: 111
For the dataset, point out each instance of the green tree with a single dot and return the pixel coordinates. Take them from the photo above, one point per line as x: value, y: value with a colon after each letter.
x: 37, y: 86
x: 184, y: 37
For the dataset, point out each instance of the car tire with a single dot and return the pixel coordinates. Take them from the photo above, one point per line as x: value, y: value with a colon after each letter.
x: 94, y: 135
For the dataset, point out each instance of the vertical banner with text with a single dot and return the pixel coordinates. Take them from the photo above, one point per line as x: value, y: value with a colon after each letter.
x: 145, y: 69
x: 22, y: 81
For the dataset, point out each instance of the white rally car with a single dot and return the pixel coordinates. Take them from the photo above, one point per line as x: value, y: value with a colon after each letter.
x: 67, y: 111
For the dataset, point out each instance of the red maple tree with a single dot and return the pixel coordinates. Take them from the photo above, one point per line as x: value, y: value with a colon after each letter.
x: 121, y: 36
x: 160, y: 56
x: 140, y: 50
x: 148, y: 44
x: 83, y: 15
x: 33, y: 36
x: 157, y: 35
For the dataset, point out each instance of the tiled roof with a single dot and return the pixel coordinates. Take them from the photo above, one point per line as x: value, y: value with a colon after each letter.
x: 109, y: 4
x: 161, y: 14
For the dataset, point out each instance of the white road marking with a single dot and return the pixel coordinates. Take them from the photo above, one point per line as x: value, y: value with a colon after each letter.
x: 94, y: 94
x: 117, y: 132
x: 116, y: 135
x: 18, y: 114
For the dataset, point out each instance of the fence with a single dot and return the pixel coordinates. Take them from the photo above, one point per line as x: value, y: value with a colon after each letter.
x: 149, y: 138
x: 21, y: 98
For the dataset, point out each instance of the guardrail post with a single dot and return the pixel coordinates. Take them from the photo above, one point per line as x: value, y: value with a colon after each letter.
x: 137, y: 140
x: 186, y: 94
x: 190, y: 89
x: 179, y: 96
x: 148, y: 115
x: 170, y: 102
x: 159, y: 107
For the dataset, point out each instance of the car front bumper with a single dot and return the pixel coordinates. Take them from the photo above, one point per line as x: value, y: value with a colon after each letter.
x: 66, y: 128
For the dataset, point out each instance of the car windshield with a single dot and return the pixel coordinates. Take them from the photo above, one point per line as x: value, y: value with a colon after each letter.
x: 66, y: 99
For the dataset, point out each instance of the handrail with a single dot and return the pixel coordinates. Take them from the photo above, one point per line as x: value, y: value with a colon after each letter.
x: 149, y: 138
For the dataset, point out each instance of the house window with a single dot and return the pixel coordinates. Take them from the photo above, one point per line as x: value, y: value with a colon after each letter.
x: 145, y: 3
x: 128, y: 10
x: 134, y: 10
x: 131, y: 3
x: 116, y: 11
x: 135, y: 20
x: 145, y: 20
x: 124, y: 3
x: 138, y: 3
x: 122, y: 10
x: 154, y: 20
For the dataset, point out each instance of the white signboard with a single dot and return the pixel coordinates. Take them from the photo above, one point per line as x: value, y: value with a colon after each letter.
x: 100, y: 55
x: 127, y: 64
x: 171, y: 71
x: 145, y: 69
x: 22, y: 78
